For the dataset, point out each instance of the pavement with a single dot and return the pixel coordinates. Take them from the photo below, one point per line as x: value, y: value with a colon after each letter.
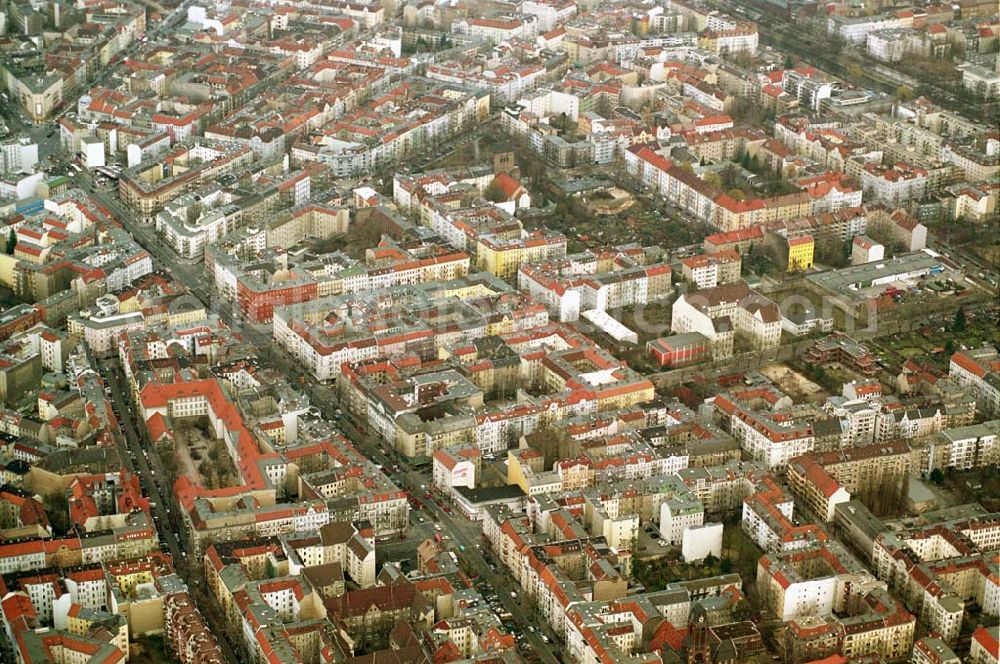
x: 138, y: 456
x: 461, y: 531
x: 969, y: 261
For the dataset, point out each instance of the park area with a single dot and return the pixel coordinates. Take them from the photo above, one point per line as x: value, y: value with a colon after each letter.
x: 739, y: 556
x: 199, y: 456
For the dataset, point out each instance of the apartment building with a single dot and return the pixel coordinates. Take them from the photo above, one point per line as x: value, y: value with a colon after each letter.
x: 187, y: 633
x: 896, y: 185
x: 761, y: 420
x: 767, y: 520
x: 979, y: 371
x: 711, y: 270
x: 499, y: 29
x: 815, y: 487
x: 597, y: 280
x: 840, y: 348
x: 813, y: 581
x: 938, y: 569
x: 964, y: 448
x: 148, y: 187
x: 985, y: 645
x: 722, y: 312
x: 877, y: 628
x: 855, y: 29
x: 860, y: 469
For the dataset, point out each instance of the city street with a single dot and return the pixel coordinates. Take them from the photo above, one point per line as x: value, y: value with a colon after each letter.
x: 139, y: 457
x: 376, y: 276
x: 463, y: 533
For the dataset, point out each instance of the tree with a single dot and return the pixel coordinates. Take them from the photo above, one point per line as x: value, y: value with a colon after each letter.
x: 57, y: 509
x: 713, y: 180
x: 789, y: 61
x: 757, y: 261
x: 207, y: 471
x: 11, y: 242
x: 731, y: 175
x: 904, y: 93
x: 855, y: 72
x: 834, y: 44
x: 831, y: 251
x: 937, y: 476
x: 494, y: 193
x: 736, y: 194
x: 193, y: 212
x: 884, y: 492
x: 742, y: 610
x: 168, y: 459
x: 958, y: 325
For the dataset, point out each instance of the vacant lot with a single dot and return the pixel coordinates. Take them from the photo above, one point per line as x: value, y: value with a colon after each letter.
x: 793, y: 383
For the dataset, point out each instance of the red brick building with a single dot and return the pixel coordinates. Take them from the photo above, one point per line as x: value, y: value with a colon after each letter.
x: 17, y: 319
x: 844, y: 350
x: 258, y: 305
x: 680, y: 350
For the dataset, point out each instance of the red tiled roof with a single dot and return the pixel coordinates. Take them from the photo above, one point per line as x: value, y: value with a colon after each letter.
x: 507, y: 185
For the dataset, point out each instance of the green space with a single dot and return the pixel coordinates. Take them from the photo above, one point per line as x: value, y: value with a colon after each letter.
x: 355, y: 242
x: 980, y: 238
x: 980, y: 485
x: 475, y: 152
x: 641, y: 222
x: 739, y: 555
x: 429, y: 44
x: 970, y: 328
x: 7, y: 298
x: 830, y: 377
x: 150, y: 650
x: 741, y: 550
x: 656, y: 573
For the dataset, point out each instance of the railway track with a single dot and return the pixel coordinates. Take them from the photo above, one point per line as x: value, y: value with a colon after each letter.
x: 779, y: 32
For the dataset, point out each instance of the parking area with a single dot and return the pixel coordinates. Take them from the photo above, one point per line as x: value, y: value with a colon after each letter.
x: 651, y: 542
